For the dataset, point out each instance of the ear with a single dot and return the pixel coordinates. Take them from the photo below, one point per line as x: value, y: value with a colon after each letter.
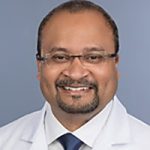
x: 117, y: 58
x: 38, y: 69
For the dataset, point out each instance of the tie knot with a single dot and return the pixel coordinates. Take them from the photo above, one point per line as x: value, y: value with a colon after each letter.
x: 70, y: 142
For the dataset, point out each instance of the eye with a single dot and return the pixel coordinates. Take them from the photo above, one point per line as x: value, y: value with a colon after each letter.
x: 60, y: 58
x: 93, y: 58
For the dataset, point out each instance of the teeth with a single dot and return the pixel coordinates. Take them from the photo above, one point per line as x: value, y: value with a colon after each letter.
x: 76, y: 88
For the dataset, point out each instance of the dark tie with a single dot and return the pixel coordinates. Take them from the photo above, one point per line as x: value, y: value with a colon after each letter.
x: 70, y: 142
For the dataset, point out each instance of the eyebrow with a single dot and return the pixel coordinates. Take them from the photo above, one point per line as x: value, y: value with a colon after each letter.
x: 86, y: 49
x: 97, y: 49
x: 56, y: 49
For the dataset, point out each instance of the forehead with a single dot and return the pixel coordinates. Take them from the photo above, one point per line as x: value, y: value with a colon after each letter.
x: 88, y: 28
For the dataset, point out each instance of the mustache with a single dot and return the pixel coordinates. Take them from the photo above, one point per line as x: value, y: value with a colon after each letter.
x: 81, y: 82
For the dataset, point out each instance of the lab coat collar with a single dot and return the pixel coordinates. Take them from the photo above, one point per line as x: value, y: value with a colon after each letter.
x: 34, y: 133
x: 117, y: 129
x: 121, y: 133
x: 32, y: 130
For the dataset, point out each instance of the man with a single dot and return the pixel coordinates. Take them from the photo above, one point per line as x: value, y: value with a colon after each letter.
x: 77, y: 69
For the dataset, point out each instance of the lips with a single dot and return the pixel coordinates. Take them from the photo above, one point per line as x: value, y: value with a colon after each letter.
x: 76, y: 92
x: 75, y: 88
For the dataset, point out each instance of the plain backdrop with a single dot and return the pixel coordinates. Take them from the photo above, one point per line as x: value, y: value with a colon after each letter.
x: 19, y: 89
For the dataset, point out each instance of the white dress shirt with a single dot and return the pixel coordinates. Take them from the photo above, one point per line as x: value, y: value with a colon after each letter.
x: 87, y: 133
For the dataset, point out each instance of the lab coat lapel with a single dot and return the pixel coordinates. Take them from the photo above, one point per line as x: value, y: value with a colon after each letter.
x: 39, y: 142
x: 35, y: 134
x: 116, y: 131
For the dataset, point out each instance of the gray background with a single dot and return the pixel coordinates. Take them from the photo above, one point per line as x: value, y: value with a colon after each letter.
x: 19, y: 89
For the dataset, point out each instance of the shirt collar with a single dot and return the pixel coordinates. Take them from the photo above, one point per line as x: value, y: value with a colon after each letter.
x: 53, y: 128
x: 87, y: 133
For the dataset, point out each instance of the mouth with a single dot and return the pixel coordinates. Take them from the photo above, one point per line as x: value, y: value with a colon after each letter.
x: 70, y: 88
x: 75, y: 88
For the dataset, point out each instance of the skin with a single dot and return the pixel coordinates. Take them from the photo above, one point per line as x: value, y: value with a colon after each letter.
x: 75, y: 32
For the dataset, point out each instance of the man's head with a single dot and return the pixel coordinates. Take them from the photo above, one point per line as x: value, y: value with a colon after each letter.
x: 77, y: 46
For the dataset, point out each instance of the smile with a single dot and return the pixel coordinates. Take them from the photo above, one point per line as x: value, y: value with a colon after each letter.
x: 76, y: 88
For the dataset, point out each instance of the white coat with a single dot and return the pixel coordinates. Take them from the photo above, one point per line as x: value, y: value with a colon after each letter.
x: 122, y: 132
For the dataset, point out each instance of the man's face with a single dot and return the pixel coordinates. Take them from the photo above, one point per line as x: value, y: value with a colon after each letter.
x: 77, y: 87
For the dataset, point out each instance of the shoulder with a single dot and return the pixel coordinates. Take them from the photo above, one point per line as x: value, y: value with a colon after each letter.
x: 21, y: 121
x: 139, y: 129
x: 18, y: 125
x: 137, y: 124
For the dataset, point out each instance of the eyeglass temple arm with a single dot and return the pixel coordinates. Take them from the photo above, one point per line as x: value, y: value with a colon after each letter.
x: 38, y: 57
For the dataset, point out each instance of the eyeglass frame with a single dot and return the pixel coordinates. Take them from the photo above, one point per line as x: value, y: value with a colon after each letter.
x: 72, y: 57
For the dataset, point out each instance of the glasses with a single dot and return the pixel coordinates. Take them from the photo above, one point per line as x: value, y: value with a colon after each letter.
x: 86, y: 59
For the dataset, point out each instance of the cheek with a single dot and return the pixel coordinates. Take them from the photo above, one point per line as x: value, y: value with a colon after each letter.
x: 106, y: 75
x: 50, y: 74
x: 48, y: 79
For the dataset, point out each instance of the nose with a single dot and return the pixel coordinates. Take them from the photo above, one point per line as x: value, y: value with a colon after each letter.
x: 76, y: 70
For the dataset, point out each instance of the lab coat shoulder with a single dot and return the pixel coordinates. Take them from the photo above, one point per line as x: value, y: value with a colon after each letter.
x: 13, y: 134
x: 139, y: 130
